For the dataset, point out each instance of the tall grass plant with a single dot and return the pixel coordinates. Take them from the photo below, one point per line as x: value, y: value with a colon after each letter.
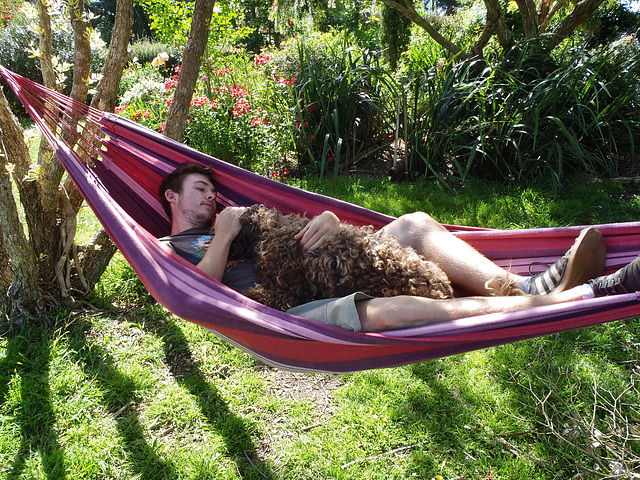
x: 523, y: 119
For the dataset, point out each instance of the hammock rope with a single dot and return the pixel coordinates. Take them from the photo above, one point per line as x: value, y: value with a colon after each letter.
x: 119, y: 176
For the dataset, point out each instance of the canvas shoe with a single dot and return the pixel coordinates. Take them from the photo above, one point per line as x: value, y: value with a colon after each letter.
x: 584, y: 261
x: 625, y: 280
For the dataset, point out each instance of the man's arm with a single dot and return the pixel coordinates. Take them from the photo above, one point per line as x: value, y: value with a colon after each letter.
x: 318, y: 230
x: 226, y: 229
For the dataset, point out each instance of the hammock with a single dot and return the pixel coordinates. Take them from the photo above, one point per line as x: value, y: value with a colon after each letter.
x: 120, y: 185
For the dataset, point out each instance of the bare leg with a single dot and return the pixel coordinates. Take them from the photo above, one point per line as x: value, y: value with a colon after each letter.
x: 462, y: 263
x: 405, y: 311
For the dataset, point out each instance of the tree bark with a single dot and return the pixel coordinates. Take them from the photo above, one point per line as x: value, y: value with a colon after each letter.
x: 583, y: 11
x: 46, y: 65
x: 529, y: 17
x: 95, y: 257
x: 190, y: 68
x: 117, y: 57
x: 24, y: 294
x: 82, y: 57
x: 495, y: 23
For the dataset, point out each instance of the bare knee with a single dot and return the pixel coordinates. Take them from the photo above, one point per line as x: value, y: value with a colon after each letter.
x: 411, y: 228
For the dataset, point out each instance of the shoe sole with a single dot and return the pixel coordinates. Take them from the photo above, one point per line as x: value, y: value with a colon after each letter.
x: 586, y: 261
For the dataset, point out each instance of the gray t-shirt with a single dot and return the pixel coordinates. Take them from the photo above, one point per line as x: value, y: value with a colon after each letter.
x: 192, y: 245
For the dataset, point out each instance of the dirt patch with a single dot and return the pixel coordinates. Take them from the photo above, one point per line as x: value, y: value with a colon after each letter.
x: 315, y: 389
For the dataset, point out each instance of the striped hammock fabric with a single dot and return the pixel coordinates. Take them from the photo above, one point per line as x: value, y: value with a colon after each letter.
x: 120, y: 181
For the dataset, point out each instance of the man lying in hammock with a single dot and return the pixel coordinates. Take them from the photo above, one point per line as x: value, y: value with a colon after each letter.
x: 189, y: 197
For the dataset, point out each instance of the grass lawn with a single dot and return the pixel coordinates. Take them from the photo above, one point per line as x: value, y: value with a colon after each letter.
x: 123, y: 389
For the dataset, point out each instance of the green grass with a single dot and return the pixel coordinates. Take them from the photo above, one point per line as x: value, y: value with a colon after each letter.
x: 130, y: 391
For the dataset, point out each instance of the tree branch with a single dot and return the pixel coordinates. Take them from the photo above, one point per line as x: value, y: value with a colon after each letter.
x: 407, y: 9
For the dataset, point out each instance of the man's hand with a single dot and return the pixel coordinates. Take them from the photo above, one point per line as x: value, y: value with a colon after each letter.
x: 318, y: 230
x: 225, y: 229
x: 227, y: 222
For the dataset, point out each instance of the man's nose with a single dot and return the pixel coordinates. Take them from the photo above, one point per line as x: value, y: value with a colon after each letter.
x: 211, y: 195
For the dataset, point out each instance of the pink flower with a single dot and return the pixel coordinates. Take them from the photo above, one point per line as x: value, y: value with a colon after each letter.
x: 261, y: 59
x: 199, y: 100
x: 239, y: 91
x: 242, y: 106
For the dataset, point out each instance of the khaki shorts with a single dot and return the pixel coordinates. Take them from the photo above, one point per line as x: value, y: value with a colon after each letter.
x: 340, y: 312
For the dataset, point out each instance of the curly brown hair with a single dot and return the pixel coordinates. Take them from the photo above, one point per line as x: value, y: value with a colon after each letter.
x: 355, y: 259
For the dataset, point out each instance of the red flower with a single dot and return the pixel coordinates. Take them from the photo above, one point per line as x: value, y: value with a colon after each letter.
x: 199, y: 100
x: 242, y: 106
x: 170, y: 83
x: 260, y: 59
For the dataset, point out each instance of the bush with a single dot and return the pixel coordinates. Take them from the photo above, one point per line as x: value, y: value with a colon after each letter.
x: 339, y: 108
x: 521, y: 119
x: 239, y: 114
x: 144, y: 51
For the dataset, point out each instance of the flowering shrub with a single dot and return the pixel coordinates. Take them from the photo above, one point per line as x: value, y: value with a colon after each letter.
x: 235, y: 122
x: 237, y: 113
x: 255, y: 112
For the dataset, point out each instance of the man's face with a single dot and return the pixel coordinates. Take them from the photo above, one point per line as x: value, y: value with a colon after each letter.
x: 196, y: 203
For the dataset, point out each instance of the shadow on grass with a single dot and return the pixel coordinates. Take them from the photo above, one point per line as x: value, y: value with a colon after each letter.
x: 538, y: 389
x: 27, y: 361
x: 120, y: 397
x: 186, y: 371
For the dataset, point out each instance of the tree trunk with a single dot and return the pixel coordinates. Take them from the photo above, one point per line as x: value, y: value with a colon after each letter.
x: 40, y: 267
x: 192, y: 56
x: 95, y: 256
x: 529, y: 17
x: 24, y: 293
x: 46, y: 64
x: 495, y: 23
x: 82, y: 58
x: 117, y: 57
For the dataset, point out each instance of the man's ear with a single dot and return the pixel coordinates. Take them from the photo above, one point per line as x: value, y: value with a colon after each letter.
x: 170, y: 195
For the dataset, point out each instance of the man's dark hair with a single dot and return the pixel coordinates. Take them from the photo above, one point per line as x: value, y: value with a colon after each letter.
x: 175, y: 179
